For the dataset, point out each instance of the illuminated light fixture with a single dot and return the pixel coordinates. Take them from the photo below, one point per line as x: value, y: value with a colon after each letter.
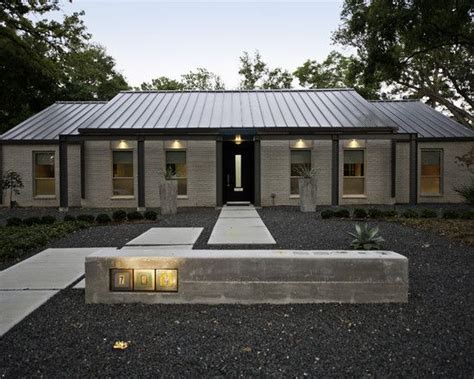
x: 122, y: 145
x: 238, y: 139
x: 176, y: 144
x: 354, y: 143
x: 300, y: 144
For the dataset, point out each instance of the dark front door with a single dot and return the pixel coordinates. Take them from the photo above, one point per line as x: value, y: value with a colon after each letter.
x: 238, y: 171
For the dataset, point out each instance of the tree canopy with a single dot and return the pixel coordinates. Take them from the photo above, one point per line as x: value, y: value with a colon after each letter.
x: 200, y: 79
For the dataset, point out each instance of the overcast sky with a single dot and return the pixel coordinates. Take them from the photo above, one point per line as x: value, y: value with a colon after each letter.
x: 155, y: 38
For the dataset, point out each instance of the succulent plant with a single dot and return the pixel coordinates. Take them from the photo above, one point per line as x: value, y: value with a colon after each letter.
x: 366, y: 238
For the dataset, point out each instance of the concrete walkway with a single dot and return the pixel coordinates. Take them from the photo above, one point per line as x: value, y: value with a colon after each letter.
x: 240, y: 225
x: 30, y: 283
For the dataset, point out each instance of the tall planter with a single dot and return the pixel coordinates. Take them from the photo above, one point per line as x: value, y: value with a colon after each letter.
x: 168, y: 196
x: 307, y: 188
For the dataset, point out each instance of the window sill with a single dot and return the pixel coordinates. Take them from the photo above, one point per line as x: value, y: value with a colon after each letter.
x: 182, y: 197
x: 125, y: 197
x: 431, y: 195
x: 294, y: 196
x: 354, y: 196
x: 45, y: 197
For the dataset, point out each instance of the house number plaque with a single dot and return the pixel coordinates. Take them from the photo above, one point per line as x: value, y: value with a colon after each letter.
x: 140, y: 280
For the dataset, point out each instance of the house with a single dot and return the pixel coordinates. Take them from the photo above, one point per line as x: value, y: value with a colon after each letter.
x: 236, y: 146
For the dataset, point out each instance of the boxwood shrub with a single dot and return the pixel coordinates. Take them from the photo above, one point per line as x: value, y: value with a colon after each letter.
x: 375, y: 213
x: 69, y: 218
x: 327, y: 213
x: 48, y: 220
x: 29, y: 221
x: 134, y: 216
x: 119, y: 216
x: 103, y: 218
x: 14, y: 221
x: 342, y: 213
x: 85, y: 218
x: 428, y: 213
x: 410, y: 213
x: 450, y: 214
x: 360, y: 213
x: 150, y: 215
x: 389, y: 213
x: 468, y: 215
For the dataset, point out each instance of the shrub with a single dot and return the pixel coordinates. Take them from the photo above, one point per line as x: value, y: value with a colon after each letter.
x: 134, y: 216
x: 342, y: 213
x: 14, y: 221
x: 327, y: 213
x: 409, y: 213
x: 468, y: 215
x: 390, y: 213
x: 466, y: 191
x: 119, y: 216
x: 366, y: 238
x: 31, y: 221
x: 48, y: 220
x: 69, y: 218
x: 428, y: 213
x: 450, y: 214
x: 360, y: 213
x: 85, y: 218
x: 103, y: 218
x: 150, y: 215
x: 375, y: 213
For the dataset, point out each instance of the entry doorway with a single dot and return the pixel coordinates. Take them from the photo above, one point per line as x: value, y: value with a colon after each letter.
x: 238, y: 175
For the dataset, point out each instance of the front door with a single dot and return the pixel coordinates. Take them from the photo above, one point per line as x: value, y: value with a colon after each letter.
x: 238, y: 171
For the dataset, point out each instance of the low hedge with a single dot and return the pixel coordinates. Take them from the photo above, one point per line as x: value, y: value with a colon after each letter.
x: 119, y: 216
x: 450, y: 214
x: 390, y: 213
x: 428, y: 213
x: 14, y: 221
x: 375, y: 213
x: 134, y: 216
x: 48, y: 220
x: 409, y: 213
x: 360, y: 213
x: 29, y: 221
x: 327, y: 213
x: 18, y: 240
x: 69, y: 218
x: 150, y: 215
x: 342, y: 213
x: 467, y: 215
x: 103, y: 218
x: 85, y: 218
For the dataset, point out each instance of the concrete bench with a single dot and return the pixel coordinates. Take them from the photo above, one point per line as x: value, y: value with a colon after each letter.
x: 245, y: 276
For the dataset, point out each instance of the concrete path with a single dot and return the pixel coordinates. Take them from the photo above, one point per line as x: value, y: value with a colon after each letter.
x: 30, y: 283
x: 240, y: 225
x: 167, y: 237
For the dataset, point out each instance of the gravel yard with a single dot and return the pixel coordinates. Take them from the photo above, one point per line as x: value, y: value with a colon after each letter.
x: 431, y: 335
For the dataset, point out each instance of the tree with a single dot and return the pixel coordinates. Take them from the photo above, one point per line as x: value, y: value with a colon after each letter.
x: 12, y: 181
x: 256, y: 74
x: 202, y: 79
x: 336, y: 71
x: 162, y: 84
x: 417, y: 48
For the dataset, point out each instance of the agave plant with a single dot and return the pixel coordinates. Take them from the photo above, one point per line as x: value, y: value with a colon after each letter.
x: 306, y: 171
x: 366, y: 238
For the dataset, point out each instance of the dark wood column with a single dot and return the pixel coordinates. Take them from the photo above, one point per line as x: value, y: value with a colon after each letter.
x: 141, y: 172
x: 335, y: 170
x: 413, y: 169
x: 219, y: 172
x: 257, y: 172
x: 394, y: 168
x: 63, y: 175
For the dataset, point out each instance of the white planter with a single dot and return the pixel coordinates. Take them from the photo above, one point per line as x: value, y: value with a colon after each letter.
x: 307, y: 188
x: 168, y: 196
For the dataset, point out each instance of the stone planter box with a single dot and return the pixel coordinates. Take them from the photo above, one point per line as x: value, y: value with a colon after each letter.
x: 168, y: 197
x: 307, y: 188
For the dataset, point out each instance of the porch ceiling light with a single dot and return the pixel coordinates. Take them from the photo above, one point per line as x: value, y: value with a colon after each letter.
x: 176, y: 144
x: 300, y: 144
x: 122, y: 145
x: 238, y: 139
x: 354, y: 143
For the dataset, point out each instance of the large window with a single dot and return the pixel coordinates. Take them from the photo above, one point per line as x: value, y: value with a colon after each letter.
x: 431, y: 161
x: 44, y: 181
x: 123, y: 173
x: 176, y: 161
x: 299, y: 160
x: 354, y: 173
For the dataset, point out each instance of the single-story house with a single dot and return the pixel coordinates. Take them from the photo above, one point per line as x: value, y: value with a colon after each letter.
x: 236, y: 146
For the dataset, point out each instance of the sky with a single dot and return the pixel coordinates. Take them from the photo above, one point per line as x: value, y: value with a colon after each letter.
x: 163, y: 38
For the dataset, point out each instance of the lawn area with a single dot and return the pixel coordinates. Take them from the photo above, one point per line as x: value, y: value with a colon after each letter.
x: 431, y: 335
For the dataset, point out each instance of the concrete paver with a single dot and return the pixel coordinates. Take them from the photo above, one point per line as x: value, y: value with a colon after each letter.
x: 167, y: 236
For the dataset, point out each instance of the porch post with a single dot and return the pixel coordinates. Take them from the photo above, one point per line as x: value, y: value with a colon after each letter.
x: 1, y: 173
x: 335, y: 170
x: 413, y: 169
x: 83, y: 169
x: 141, y: 173
x: 394, y: 167
x: 257, y: 171
x: 219, y: 171
x: 63, y: 175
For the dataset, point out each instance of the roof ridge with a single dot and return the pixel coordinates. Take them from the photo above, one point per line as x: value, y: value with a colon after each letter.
x: 244, y: 90
x: 81, y: 102
x: 396, y: 101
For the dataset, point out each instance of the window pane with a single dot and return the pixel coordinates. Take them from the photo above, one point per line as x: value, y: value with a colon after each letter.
x: 182, y: 187
x: 353, y: 163
x: 44, y: 165
x: 299, y: 159
x: 294, y: 186
x: 123, y: 187
x: 353, y: 186
x: 430, y: 163
x: 123, y: 164
x: 45, y: 187
x: 176, y: 161
x: 430, y: 185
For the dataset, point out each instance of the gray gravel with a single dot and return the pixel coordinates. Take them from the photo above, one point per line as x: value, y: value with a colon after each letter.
x: 432, y: 335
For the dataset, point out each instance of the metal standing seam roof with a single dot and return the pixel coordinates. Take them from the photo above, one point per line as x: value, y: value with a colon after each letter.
x: 63, y: 117
x: 413, y: 116
x: 338, y: 108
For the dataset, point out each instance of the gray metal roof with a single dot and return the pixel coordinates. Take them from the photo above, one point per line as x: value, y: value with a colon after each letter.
x: 417, y: 117
x: 59, y: 118
x: 238, y: 109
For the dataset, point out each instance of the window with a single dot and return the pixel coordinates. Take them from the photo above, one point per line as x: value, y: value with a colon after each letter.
x: 431, y: 172
x: 176, y: 161
x: 354, y: 173
x: 44, y: 182
x: 299, y: 160
x: 123, y: 173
